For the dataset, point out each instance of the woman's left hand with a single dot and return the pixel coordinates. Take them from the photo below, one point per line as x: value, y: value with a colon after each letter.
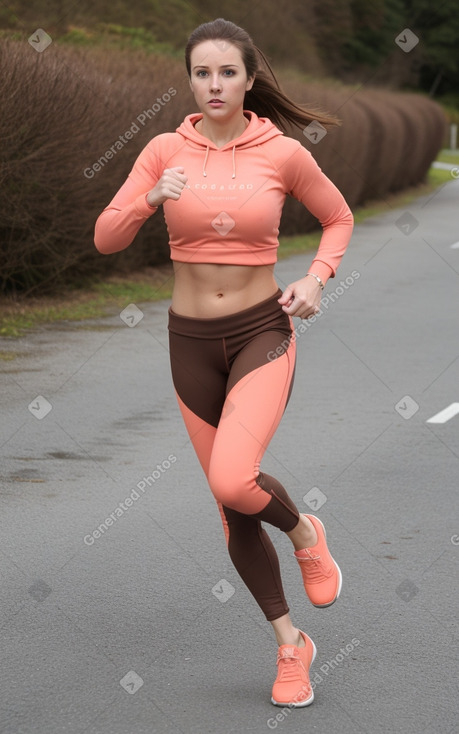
x: 302, y: 298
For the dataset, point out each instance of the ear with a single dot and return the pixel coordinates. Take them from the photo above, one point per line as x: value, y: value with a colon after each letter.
x: 250, y: 83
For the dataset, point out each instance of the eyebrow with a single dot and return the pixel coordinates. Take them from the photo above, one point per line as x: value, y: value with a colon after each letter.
x: 223, y: 66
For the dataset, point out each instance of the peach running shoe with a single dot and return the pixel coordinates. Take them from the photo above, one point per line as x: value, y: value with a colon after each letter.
x: 321, y: 574
x: 292, y: 686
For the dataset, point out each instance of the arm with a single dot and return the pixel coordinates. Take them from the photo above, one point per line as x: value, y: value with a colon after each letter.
x: 148, y: 186
x: 120, y: 221
x: 320, y: 196
x: 307, y: 183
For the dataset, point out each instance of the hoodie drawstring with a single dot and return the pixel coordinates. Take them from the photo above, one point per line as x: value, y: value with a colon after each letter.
x: 205, y: 162
x: 207, y: 156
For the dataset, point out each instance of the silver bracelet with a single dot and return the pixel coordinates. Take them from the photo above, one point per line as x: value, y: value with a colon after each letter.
x: 317, y: 278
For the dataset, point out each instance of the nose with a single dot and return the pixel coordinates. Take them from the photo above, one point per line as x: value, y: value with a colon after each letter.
x: 215, y: 83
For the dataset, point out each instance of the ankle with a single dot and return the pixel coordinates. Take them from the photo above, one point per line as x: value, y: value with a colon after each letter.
x: 293, y: 638
x: 304, y: 534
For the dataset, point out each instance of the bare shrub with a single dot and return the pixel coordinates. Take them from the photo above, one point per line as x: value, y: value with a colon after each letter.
x: 61, y: 112
x: 65, y: 109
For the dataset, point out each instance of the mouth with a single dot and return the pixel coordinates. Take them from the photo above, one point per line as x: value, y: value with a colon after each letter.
x: 215, y: 102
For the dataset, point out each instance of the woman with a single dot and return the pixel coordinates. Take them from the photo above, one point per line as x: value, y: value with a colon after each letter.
x: 222, y: 178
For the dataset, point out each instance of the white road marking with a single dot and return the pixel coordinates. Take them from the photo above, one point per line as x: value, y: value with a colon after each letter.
x: 445, y: 415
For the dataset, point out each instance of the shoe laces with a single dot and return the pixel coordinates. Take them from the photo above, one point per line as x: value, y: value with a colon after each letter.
x: 288, y: 664
x: 314, y: 567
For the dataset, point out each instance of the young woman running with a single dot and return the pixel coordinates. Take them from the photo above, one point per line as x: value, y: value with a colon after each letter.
x: 222, y: 179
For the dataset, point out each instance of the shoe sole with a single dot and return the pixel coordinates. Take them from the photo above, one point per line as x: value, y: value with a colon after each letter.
x: 340, y: 575
x: 302, y: 704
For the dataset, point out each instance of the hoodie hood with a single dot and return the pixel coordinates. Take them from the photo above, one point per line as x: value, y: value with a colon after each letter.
x: 258, y: 131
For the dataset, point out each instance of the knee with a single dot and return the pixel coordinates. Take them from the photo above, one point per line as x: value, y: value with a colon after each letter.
x: 237, y: 490
x: 224, y: 487
x: 229, y: 488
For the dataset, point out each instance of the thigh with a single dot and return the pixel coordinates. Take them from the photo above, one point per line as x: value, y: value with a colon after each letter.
x: 260, y: 350
x: 200, y: 389
x: 252, y: 411
x: 257, y: 395
x: 199, y: 373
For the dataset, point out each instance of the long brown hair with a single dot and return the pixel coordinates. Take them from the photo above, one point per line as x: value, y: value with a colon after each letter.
x: 265, y: 98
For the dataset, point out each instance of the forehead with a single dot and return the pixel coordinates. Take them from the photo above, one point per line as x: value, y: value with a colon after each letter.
x: 215, y: 53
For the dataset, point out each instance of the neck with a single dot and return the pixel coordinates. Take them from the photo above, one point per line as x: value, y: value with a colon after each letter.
x: 221, y: 133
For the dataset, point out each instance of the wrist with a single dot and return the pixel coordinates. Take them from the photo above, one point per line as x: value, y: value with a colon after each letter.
x: 324, y: 271
x: 150, y: 204
x: 317, y: 278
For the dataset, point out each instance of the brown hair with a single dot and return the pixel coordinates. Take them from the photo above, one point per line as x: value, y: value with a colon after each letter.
x: 265, y: 98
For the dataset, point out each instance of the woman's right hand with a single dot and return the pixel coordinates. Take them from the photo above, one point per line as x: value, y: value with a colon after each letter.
x: 169, y: 186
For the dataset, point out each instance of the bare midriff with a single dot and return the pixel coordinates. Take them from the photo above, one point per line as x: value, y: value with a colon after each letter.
x: 207, y: 290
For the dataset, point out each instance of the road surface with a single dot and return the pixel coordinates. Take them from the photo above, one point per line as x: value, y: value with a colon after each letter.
x: 121, y: 611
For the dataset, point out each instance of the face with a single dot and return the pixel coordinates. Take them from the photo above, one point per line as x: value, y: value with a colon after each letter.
x: 218, y: 79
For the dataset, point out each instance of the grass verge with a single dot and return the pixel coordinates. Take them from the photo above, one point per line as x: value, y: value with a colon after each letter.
x: 448, y: 156
x: 96, y: 300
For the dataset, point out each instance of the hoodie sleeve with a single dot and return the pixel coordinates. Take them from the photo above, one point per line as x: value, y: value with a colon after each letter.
x: 120, y: 221
x: 306, y: 182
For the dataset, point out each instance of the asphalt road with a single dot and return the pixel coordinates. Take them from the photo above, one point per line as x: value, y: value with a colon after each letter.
x: 144, y: 626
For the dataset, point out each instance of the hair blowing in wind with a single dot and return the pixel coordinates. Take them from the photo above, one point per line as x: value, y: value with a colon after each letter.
x: 265, y: 98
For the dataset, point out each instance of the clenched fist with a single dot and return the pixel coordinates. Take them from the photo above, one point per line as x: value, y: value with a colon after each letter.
x: 169, y: 186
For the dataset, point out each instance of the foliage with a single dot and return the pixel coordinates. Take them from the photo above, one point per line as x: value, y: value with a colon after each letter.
x: 353, y: 40
x: 64, y: 108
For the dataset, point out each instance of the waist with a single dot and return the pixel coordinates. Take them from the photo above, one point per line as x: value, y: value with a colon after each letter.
x: 265, y: 315
x: 206, y: 290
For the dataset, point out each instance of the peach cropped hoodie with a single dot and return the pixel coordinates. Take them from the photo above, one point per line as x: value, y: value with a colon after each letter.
x: 230, y: 209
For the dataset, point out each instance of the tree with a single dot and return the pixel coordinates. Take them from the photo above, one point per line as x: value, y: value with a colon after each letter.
x: 437, y: 26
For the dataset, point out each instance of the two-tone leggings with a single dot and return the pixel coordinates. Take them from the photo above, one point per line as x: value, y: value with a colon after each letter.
x: 233, y: 376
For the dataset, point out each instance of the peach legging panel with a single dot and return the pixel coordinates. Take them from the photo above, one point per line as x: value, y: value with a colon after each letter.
x: 233, y: 378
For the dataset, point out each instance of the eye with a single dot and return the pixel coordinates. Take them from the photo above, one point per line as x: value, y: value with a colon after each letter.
x: 229, y: 72
x: 201, y: 72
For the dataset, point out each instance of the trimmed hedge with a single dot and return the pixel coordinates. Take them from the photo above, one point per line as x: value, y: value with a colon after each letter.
x: 66, y: 109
